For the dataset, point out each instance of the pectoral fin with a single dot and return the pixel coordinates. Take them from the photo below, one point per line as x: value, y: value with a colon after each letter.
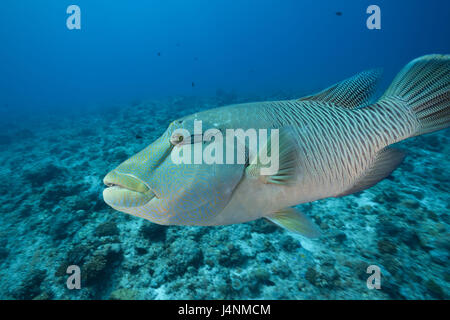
x: 287, y: 160
x: 295, y: 221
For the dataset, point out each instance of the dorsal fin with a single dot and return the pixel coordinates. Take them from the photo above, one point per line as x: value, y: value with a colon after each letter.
x: 386, y: 161
x: 351, y: 93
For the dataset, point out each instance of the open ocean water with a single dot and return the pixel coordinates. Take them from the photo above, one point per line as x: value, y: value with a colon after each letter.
x: 76, y: 103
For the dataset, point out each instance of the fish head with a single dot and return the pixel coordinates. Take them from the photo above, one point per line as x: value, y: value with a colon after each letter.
x: 154, y: 185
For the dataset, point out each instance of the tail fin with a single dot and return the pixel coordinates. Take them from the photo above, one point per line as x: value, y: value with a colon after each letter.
x: 424, y: 85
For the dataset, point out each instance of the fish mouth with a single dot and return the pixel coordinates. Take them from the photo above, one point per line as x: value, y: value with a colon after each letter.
x: 125, y: 190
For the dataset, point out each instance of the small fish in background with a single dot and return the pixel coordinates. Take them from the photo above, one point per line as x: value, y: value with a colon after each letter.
x: 338, y: 13
x: 331, y: 144
x: 158, y: 54
x: 193, y: 84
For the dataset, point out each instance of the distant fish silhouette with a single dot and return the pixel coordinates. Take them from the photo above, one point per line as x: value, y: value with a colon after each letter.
x: 159, y: 54
x: 193, y: 84
x: 339, y: 13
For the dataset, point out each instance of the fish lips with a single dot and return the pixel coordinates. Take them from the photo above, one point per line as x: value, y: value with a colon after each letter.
x: 126, y: 191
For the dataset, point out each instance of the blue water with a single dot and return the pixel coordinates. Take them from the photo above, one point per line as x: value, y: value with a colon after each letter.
x: 75, y: 103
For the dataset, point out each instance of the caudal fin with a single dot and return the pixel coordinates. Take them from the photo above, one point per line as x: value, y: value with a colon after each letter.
x: 424, y: 85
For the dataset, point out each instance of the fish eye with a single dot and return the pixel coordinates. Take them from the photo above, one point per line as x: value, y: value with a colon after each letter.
x: 176, y: 139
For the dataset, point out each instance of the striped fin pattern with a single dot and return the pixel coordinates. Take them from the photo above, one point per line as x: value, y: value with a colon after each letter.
x: 424, y: 85
x: 351, y: 93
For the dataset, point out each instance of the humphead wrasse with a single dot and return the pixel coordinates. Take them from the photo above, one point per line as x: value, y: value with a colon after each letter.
x: 330, y: 144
